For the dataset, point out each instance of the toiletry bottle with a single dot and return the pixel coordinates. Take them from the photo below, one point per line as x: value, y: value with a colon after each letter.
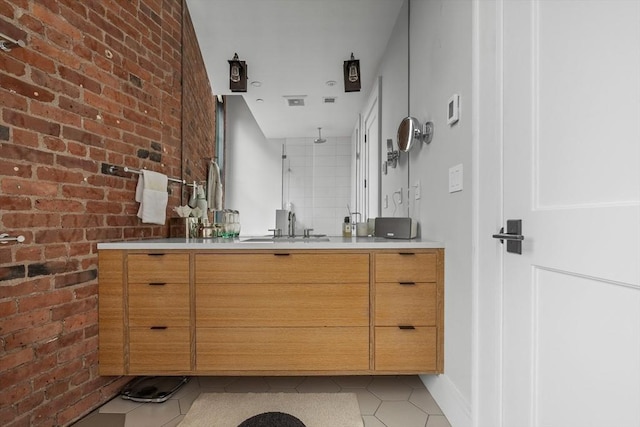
x: 346, y: 227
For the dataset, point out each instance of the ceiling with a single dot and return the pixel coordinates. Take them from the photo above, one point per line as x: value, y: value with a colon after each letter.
x: 293, y: 48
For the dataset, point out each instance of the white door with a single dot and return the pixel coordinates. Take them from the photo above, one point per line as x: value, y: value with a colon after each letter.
x: 571, y: 173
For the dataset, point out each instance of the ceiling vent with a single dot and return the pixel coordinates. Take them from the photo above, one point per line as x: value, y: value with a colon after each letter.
x: 295, y: 100
x: 329, y: 100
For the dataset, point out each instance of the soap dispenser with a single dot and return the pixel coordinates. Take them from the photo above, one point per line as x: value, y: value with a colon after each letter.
x: 346, y: 227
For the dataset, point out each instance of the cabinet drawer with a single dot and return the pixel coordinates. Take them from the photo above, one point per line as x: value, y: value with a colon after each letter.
x: 160, y: 268
x: 282, y: 349
x: 289, y: 267
x: 164, y: 304
x: 405, y: 267
x: 408, y: 304
x: 287, y: 305
x: 159, y: 350
x: 405, y: 350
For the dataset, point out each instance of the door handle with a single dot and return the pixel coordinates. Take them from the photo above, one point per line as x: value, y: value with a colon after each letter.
x: 513, y: 236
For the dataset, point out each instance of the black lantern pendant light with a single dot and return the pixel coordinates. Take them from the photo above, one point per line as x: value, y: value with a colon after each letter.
x: 237, y: 74
x: 351, y: 71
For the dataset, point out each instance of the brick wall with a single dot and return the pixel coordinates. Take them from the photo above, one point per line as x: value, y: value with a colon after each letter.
x: 99, y: 82
x: 198, y: 124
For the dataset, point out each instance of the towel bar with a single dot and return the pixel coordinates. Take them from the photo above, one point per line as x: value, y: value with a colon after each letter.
x: 114, y: 169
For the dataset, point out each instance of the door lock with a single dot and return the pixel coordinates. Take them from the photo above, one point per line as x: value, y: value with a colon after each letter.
x: 513, y: 236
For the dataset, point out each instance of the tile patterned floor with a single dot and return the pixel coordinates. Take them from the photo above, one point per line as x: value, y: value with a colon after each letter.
x: 385, y: 401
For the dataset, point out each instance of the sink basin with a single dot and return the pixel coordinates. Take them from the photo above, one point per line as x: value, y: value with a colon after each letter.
x: 313, y: 238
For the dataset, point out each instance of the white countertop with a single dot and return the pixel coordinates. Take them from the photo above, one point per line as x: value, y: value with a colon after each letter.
x: 242, y: 243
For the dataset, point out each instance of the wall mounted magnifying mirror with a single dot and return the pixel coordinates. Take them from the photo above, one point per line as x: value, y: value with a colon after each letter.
x: 392, y: 155
x: 411, y: 132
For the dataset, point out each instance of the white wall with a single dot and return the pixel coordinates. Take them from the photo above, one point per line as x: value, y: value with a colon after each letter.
x: 252, y: 176
x: 318, y: 182
x: 394, y: 105
x: 440, y: 65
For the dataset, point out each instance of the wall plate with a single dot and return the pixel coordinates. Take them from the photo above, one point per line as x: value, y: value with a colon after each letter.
x: 453, y: 109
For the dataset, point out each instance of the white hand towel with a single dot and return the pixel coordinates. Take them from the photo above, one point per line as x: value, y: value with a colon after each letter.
x: 154, y: 198
x: 214, y: 187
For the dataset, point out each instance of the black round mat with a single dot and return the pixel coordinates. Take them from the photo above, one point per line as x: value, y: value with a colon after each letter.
x: 272, y: 419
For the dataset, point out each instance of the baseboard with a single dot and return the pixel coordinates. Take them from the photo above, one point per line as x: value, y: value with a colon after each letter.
x: 455, y: 407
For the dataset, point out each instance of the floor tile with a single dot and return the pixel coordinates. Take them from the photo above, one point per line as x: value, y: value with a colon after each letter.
x: 284, y: 382
x: 118, y: 405
x: 358, y: 381
x: 390, y: 388
x: 248, y: 385
x: 371, y: 421
x: 385, y: 401
x: 318, y: 385
x: 97, y: 419
x: 401, y: 414
x: 437, y: 421
x: 153, y: 414
x: 367, y: 401
x: 423, y: 400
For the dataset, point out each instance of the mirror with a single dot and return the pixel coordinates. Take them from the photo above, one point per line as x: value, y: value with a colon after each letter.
x: 292, y: 67
x: 410, y: 133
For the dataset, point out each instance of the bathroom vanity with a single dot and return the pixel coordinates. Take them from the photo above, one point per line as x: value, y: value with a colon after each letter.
x: 207, y: 307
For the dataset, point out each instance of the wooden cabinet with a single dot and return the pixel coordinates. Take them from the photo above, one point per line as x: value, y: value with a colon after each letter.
x: 260, y: 312
x: 408, y: 311
x: 282, y: 311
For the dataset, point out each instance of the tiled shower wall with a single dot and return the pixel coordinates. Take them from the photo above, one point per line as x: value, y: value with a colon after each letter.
x: 98, y: 82
x: 317, y: 183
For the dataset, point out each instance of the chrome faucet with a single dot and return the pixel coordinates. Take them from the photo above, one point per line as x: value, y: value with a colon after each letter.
x: 292, y: 224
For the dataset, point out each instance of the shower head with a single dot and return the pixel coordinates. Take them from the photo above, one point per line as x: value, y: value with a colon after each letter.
x: 319, y: 139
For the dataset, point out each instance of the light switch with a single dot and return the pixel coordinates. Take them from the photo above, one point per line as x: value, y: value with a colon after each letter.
x: 455, y: 178
x: 417, y: 190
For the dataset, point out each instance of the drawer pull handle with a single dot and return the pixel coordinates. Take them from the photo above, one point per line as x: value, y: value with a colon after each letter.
x: 158, y: 327
x: 406, y: 327
x: 155, y: 254
x: 406, y: 253
x: 282, y: 254
x: 407, y: 283
x: 157, y: 284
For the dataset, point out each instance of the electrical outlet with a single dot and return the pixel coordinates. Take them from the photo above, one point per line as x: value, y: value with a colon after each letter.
x: 399, y: 192
x: 386, y: 201
x: 417, y: 190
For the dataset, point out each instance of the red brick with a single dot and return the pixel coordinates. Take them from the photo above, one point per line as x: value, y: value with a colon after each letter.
x: 49, y: 299
x: 8, y: 168
x: 31, y: 220
x: 13, y: 100
x: 32, y: 335
x: 103, y: 207
x: 83, y: 192
x: 29, y: 253
x: 54, y: 144
x: 59, y: 175
x: 25, y: 287
x: 52, y: 112
x: 55, y: 251
x: 83, y: 220
x: 15, y: 203
x: 28, y: 122
x: 22, y: 187
x: 11, y: 66
x: 56, y: 85
x: 18, y: 152
x: 59, y: 235
x: 59, y: 205
x: 10, y: 360
x: 70, y: 162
